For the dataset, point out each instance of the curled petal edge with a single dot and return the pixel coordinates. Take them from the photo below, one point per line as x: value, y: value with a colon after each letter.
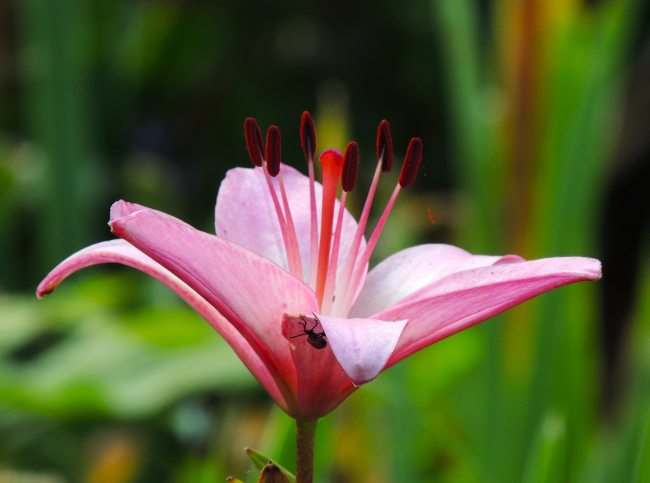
x: 120, y: 251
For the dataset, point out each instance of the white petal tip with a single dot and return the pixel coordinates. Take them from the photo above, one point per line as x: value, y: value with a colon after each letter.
x: 362, y: 346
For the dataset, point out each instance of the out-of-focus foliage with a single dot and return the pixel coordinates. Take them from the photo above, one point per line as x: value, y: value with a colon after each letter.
x: 85, y: 354
x: 112, y: 379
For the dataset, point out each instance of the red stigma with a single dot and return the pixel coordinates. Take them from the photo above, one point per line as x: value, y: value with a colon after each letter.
x: 350, y: 167
x: 433, y: 222
x: 273, y: 150
x: 308, y: 135
x: 411, y: 163
x: 385, y: 146
x: 254, y: 141
x: 332, y: 160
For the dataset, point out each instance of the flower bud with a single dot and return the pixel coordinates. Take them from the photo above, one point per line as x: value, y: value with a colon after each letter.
x: 271, y: 473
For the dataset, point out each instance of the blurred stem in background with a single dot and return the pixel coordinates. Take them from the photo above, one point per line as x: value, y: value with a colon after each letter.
x: 56, y: 49
x: 533, y: 141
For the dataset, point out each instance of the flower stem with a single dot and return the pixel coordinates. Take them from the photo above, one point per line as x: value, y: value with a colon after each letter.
x: 305, y: 438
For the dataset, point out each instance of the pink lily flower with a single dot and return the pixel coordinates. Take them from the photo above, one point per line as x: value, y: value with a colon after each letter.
x: 285, y: 280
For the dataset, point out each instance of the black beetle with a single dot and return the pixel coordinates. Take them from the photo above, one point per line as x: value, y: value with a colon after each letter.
x: 315, y: 339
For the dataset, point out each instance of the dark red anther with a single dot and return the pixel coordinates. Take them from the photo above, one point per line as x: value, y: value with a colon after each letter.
x: 254, y: 141
x: 411, y: 163
x: 350, y: 167
x: 385, y: 146
x: 273, y: 150
x: 308, y: 135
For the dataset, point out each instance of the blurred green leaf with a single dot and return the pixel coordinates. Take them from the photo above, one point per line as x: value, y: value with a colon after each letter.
x: 76, y: 357
x: 546, y: 458
x: 642, y: 463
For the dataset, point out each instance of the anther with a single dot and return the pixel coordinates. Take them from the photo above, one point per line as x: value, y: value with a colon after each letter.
x: 385, y: 147
x: 350, y: 167
x: 308, y: 135
x: 411, y: 163
x: 273, y: 150
x: 254, y: 141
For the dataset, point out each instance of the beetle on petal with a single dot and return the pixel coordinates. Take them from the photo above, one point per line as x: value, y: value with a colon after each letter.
x: 285, y: 246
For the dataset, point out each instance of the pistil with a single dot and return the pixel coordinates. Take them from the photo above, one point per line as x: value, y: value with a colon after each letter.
x: 331, y: 161
x: 348, y: 180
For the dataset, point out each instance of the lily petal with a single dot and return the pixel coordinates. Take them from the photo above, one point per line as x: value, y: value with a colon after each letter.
x: 120, y: 251
x: 124, y: 208
x: 466, y: 298
x: 245, y: 215
x: 411, y: 269
x: 362, y: 346
x: 250, y: 291
x: 320, y: 376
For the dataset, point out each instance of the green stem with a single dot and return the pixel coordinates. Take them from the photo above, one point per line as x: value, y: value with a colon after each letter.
x: 305, y: 438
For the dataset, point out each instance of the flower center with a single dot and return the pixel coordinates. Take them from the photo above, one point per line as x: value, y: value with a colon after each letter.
x: 324, y: 253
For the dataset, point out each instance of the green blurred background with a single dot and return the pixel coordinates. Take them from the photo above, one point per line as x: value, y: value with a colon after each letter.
x: 535, y: 118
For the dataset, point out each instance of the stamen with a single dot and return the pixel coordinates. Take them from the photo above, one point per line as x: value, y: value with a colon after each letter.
x: 385, y: 146
x: 273, y: 150
x: 365, y: 257
x: 350, y: 167
x: 409, y: 170
x: 348, y: 180
x: 256, y: 150
x: 308, y: 138
x: 273, y: 162
x: 384, y: 149
x: 291, y: 231
x: 341, y: 290
x: 308, y: 135
x: 411, y: 163
x: 283, y: 225
x: 254, y: 141
x: 331, y: 161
